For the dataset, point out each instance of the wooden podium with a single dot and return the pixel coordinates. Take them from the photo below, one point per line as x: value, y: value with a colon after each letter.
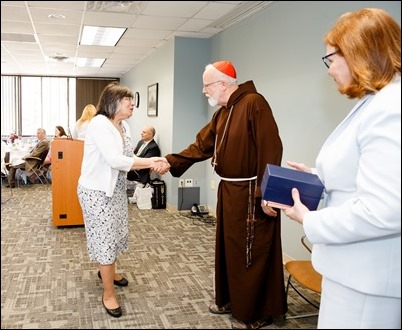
x: 66, y: 169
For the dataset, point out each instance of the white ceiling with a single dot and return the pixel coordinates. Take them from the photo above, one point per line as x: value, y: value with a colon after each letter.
x: 30, y: 39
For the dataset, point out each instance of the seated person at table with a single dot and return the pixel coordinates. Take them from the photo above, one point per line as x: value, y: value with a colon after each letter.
x: 59, y: 132
x: 146, y: 147
x: 38, y: 149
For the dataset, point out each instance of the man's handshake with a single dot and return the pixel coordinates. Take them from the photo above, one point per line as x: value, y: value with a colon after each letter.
x: 159, y: 165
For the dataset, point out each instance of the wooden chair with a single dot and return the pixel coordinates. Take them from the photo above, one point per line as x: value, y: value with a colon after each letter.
x: 306, y: 276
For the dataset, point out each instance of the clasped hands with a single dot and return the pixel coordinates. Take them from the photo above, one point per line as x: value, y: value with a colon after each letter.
x: 159, y: 165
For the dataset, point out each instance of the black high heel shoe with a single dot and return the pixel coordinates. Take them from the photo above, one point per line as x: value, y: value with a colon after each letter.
x: 115, y: 312
x: 122, y: 282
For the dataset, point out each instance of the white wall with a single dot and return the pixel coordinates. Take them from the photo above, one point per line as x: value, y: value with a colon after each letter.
x: 157, y: 68
x: 182, y: 108
x: 280, y: 49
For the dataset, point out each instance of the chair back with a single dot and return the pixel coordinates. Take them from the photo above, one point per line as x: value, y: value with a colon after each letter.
x: 306, y: 277
x: 34, y: 163
x: 43, y: 156
x: 3, y: 150
x: 3, y: 158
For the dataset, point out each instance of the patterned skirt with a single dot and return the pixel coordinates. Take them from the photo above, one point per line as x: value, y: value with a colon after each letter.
x: 106, y: 221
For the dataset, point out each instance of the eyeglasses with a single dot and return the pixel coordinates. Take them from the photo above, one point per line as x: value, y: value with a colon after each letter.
x: 326, y: 59
x: 207, y: 85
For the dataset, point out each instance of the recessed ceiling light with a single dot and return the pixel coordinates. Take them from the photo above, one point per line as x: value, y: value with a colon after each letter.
x: 101, y: 36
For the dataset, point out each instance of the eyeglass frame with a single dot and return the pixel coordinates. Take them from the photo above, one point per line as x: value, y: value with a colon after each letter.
x: 326, y: 60
x: 207, y: 85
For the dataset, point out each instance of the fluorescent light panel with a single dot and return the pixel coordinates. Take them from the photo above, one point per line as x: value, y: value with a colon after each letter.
x: 101, y: 36
x: 90, y: 62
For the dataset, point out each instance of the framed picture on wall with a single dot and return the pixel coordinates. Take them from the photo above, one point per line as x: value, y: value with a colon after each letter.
x: 137, y: 99
x: 152, y: 100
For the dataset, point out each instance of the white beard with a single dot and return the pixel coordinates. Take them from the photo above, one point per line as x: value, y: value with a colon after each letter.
x: 212, y: 102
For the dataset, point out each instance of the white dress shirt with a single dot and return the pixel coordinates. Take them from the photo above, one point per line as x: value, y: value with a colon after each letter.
x: 142, y: 148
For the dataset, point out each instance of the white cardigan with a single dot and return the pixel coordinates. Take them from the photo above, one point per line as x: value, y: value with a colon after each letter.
x: 103, y: 156
x: 357, y: 235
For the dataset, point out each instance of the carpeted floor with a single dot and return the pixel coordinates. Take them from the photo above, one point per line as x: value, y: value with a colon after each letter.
x: 47, y: 280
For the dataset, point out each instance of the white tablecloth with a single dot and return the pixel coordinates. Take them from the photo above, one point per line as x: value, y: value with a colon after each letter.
x: 16, y: 155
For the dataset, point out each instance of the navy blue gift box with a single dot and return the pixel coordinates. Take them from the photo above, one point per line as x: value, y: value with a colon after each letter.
x: 277, y: 184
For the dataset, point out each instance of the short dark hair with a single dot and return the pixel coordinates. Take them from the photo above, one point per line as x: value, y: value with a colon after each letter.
x: 110, y: 99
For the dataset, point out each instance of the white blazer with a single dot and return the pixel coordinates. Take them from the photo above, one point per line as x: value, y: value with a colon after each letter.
x: 103, y: 156
x: 356, y: 236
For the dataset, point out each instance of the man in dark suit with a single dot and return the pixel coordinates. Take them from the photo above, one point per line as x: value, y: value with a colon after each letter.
x: 41, y: 146
x: 146, y: 147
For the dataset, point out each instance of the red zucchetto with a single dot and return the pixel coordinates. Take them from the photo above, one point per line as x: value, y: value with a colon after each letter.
x: 226, y: 67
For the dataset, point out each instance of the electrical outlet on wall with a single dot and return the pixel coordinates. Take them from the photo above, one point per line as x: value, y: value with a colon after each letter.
x: 188, y: 182
x: 181, y: 182
x: 195, y: 182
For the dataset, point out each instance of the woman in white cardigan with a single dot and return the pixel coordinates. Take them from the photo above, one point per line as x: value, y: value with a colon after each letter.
x: 356, y: 236
x: 108, y: 156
